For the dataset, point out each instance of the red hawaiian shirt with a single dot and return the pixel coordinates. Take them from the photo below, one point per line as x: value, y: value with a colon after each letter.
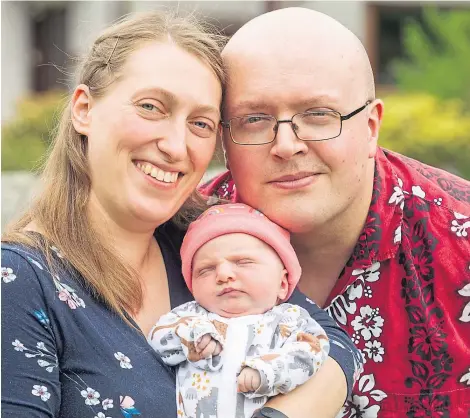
x: 404, y: 295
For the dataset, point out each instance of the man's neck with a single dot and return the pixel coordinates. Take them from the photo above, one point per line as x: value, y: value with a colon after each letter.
x: 324, y: 251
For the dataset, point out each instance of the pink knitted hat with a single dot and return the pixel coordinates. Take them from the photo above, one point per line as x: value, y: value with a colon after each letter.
x: 238, y: 218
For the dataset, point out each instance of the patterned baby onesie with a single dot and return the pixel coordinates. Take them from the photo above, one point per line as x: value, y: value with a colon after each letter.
x: 284, y: 344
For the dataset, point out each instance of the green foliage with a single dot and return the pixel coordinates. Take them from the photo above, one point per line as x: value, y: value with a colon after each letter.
x: 438, y: 55
x: 25, y: 138
x: 430, y: 130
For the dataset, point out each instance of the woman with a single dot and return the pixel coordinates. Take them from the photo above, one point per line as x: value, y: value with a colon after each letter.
x: 95, y: 261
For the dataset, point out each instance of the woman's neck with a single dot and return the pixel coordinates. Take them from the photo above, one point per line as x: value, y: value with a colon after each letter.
x: 132, y: 241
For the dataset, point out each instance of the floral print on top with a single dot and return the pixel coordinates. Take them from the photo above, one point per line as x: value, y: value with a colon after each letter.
x: 404, y: 295
x: 66, y: 355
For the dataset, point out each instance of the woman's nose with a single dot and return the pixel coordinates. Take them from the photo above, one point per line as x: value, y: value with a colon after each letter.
x: 173, y: 143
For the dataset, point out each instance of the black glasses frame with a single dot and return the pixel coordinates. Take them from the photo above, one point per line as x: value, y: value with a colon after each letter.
x: 294, y: 126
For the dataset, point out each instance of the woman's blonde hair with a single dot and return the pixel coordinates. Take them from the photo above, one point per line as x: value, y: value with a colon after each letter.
x: 60, y: 209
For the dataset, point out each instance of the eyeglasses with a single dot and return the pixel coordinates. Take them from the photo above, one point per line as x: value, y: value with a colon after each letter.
x: 259, y: 129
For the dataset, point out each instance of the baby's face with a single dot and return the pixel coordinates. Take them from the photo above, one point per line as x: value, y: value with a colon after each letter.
x: 238, y: 274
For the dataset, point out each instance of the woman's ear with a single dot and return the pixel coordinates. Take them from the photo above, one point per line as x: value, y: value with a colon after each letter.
x: 81, y: 105
x: 284, y: 286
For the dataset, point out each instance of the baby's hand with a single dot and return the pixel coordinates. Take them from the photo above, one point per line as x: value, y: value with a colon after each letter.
x: 207, y: 347
x: 249, y: 380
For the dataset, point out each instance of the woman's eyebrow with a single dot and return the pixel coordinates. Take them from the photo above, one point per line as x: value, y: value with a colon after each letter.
x: 172, y: 99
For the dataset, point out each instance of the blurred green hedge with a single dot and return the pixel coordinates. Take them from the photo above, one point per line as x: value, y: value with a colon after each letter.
x: 420, y: 126
x: 25, y: 139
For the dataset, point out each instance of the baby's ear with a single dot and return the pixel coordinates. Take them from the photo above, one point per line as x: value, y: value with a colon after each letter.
x: 284, y: 286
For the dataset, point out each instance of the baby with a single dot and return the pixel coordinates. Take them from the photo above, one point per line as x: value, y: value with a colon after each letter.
x: 238, y: 343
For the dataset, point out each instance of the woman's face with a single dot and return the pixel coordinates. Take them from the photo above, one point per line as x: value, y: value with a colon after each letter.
x: 152, y: 136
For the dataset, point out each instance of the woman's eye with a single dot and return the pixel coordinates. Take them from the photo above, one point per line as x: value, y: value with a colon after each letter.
x: 149, y: 106
x: 202, y: 125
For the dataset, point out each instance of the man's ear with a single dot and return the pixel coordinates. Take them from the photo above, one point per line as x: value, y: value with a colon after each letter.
x: 80, y: 110
x: 284, y: 287
x: 376, y: 109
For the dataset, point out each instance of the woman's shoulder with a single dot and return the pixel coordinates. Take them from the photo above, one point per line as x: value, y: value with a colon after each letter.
x: 16, y: 257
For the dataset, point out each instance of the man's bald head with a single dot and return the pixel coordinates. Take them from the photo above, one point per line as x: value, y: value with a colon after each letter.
x: 307, y: 38
x: 300, y: 66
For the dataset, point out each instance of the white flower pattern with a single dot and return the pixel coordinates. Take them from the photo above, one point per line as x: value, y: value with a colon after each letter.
x: 369, y: 323
x: 7, y: 275
x: 18, y: 345
x: 359, y: 406
x: 465, y: 292
x: 460, y: 225
x: 124, y: 361
x: 41, y: 391
x: 107, y: 404
x: 101, y: 415
x: 92, y: 397
x: 466, y: 378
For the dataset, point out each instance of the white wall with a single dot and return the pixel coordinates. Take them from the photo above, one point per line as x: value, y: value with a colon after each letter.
x: 16, y: 55
x: 351, y: 14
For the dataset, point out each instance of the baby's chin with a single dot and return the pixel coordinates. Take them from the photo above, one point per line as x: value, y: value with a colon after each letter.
x: 236, y: 312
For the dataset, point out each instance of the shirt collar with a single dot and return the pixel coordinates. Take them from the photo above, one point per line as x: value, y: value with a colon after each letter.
x: 381, y: 235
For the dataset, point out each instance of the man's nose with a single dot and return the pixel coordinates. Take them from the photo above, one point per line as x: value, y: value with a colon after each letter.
x: 173, y: 143
x: 286, y: 144
x: 225, y: 273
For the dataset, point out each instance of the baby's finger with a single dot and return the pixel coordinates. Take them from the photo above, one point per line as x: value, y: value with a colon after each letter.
x: 218, y: 349
x: 207, y: 352
x: 241, y: 382
x: 202, y: 343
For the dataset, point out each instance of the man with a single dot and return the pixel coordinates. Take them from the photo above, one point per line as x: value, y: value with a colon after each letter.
x: 382, y: 239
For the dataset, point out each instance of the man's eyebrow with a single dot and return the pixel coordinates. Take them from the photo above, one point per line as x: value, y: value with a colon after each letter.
x: 249, y: 106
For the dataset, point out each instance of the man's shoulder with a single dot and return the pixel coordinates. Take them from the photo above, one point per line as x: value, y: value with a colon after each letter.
x: 440, y: 187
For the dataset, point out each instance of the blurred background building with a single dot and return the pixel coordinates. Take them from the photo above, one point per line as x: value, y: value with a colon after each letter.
x: 418, y: 65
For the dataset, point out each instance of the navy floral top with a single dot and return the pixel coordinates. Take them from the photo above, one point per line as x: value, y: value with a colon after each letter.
x: 65, y: 354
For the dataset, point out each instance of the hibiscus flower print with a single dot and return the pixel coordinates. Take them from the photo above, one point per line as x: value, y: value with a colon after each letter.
x: 369, y: 323
x: 374, y: 350
x: 361, y: 405
x: 429, y: 405
x: 7, y: 275
x: 124, y: 361
x: 466, y: 378
x: 92, y: 397
x: 426, y: 341
x: 465, y: 292
x: 41, y: 391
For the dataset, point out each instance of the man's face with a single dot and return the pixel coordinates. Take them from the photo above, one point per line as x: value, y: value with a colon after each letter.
x: 297, y: 184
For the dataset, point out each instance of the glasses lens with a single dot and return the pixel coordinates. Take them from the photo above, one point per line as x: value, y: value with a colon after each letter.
x: 253, y: 129
x: 317, y: 126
